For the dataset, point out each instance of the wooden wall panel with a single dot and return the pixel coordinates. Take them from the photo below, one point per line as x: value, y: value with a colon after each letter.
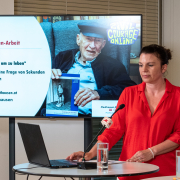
x: 148, y: 9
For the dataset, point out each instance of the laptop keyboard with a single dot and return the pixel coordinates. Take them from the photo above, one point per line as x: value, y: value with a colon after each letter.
x: 62, y: 163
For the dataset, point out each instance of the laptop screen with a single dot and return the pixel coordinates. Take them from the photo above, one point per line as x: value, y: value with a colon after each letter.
x: 34, y: 144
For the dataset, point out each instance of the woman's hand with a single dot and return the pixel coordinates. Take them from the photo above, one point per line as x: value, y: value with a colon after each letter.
x: 79, y: 155
x: 89, y: 155
x: 141, y: 156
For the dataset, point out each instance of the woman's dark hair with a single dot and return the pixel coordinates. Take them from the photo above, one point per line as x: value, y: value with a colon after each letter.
x: 159, y: 51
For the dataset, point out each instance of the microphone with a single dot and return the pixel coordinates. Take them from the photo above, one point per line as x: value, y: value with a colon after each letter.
x: 120, y: 107
x: 106, y: 124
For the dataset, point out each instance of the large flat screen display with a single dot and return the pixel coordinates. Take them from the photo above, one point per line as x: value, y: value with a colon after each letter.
x: 66, y: 66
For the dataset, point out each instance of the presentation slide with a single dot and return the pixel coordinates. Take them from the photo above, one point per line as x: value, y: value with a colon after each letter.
x: 66, y: 66
x: 25, y: 66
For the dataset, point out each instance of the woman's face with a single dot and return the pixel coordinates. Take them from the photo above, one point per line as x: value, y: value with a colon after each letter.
x: 150, y: 68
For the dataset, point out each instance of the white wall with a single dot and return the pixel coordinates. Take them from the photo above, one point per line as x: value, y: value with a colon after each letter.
x: 6, y: 7
x: 171, y: 37
x: 61, y: 137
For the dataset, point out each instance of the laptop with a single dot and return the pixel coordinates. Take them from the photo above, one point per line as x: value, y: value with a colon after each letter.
x: 35, y: 148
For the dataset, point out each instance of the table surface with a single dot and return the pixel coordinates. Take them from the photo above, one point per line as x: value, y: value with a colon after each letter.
x: 114, y: 170
x: 161, y: 178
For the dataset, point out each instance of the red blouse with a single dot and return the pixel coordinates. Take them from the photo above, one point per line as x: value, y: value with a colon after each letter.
x: 141, y: 130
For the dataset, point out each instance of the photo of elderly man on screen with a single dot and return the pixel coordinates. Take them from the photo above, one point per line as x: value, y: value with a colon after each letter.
x: 99, y: 54
x: 101, y: 77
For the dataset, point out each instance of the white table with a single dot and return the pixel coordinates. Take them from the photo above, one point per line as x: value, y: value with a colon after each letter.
x: 114, y: 170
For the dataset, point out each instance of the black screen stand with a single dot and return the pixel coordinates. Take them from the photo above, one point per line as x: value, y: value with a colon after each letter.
x: 11, y: 148
x: 87, y: 132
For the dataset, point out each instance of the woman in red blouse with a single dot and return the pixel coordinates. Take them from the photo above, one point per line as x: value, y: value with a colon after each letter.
x: 150, y: 121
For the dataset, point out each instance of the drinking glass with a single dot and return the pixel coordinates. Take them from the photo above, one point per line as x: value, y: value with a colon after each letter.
x: 102, y: 156
x: 178, y: 164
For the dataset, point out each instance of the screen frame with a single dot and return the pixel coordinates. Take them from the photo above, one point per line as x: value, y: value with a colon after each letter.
x: 79, y: 115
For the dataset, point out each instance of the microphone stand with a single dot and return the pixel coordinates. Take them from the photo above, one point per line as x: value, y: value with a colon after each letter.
x: 93, y: 165
x: 89, y: 165
x: 93, y: 141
